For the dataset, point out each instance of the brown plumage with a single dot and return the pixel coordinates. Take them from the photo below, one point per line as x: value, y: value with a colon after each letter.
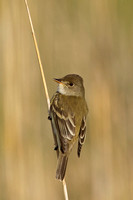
x: 68, y: 112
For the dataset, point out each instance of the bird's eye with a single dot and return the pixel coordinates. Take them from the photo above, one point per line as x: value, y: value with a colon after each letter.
x: 71, y: 84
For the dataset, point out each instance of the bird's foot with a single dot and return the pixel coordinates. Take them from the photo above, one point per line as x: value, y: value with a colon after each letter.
x: 49, y: 117
x: 56, y: 148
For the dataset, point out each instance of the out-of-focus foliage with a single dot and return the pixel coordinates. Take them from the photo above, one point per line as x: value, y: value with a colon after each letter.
x: 90, y: 38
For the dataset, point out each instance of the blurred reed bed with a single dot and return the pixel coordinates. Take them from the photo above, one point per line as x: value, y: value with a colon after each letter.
x: 95, y: 40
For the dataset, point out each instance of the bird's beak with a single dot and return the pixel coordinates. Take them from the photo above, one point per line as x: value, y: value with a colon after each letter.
x: 58, y: 80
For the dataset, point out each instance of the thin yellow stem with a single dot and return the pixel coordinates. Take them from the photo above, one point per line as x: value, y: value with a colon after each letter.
x: 65, y: 190
x: 38, y: 56
x: 44, y: 81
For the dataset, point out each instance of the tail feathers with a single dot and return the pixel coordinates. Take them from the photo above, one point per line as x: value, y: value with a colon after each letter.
x: 79, y: 149
x: 61, y: 167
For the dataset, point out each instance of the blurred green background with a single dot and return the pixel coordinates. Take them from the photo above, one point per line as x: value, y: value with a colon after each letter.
x: 95, y: 40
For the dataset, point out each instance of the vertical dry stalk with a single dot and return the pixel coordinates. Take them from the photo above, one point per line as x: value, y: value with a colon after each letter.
x: 38, y: 55
x: 44, y: 81
x: 65, y: 190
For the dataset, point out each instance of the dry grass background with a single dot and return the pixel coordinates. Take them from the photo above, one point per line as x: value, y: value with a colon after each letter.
x: 90, y: 38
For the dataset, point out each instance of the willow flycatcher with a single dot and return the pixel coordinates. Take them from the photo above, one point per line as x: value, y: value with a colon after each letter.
x: 68, y: 111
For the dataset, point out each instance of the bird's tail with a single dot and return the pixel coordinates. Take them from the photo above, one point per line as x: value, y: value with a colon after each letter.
x: 61, y: 167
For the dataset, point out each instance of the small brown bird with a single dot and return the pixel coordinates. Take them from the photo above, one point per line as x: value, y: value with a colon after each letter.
x: 68, y: 113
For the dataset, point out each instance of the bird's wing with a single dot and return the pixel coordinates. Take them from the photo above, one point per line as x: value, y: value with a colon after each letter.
x: 65, y: 126
x: 82, y: 135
